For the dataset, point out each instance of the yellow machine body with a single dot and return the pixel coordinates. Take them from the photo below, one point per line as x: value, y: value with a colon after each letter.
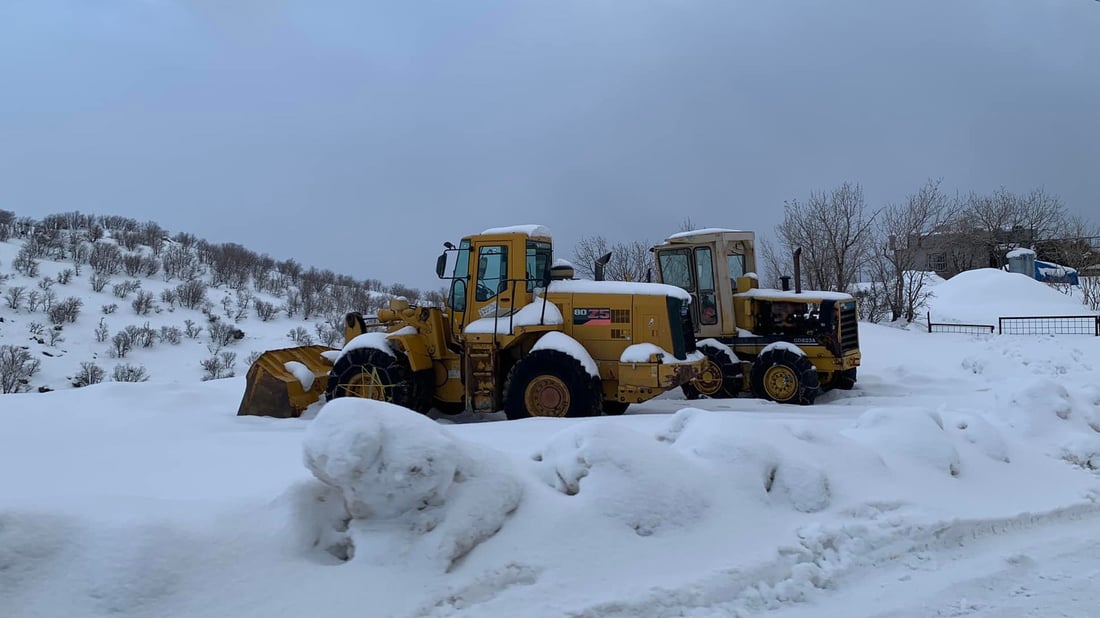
x: 503, y: 299
x: 717, y: 267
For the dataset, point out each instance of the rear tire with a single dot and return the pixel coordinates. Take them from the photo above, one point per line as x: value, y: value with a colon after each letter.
x: 550, y: 383
x: 784, y: 376
x: 373, y: 374
x: 845, y: 380
x: 719, y: 380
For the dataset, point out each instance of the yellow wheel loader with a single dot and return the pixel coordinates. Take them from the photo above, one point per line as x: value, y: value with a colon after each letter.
x: 783, y: 345
x: 517, y: 333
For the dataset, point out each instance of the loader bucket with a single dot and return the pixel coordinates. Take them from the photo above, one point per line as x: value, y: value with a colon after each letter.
x: 274, y: 390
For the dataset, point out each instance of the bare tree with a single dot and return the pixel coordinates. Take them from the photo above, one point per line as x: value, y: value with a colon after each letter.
x: 630, y: 261
x: 1075, y: 245
x: 995, y: 223
x: 770, y: 264
x: 900, y: 232
x: 834, y: 230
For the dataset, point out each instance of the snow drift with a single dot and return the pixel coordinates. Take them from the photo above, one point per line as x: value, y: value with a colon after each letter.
x: 983, y: 295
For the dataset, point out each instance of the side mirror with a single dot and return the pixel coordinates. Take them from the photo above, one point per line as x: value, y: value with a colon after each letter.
x: 441, y: 264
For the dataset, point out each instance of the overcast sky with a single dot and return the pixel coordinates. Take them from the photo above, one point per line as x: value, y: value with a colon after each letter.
x: 359, y: 135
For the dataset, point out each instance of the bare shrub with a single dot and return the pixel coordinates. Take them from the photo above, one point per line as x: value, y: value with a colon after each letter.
x: 24, y: 262
x: 14, y: 296
x: 65, y: 311
x: 66, y: 276
x: 129, y: 373
x: 219, y: 366
x: 244, y: 298
x: 170, y: 334
x: 90, y: 373
x: 328, y: 334
x: 191, y: 294
x: 264, y: 310
x: 222, y: 333
x: 53, y: 335
x: 17, y: 367
x: 122, y: 290
x: 142, y: 336
x: 101, y: 331
x: 191, y: 329
x: 99, y: 281
x: 131, y: 264
x: 34, y: 301
x: 105, y: 259
x: 121, y: 344
x: 300, y: 336
x: 1090, y: 291
x: 143, y: 304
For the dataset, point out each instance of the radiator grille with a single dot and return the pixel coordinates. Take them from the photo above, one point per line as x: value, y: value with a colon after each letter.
x: 849, y: 329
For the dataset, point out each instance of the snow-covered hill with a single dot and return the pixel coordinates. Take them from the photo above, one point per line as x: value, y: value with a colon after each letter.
x: 78, y: 291
x: 957, y: 461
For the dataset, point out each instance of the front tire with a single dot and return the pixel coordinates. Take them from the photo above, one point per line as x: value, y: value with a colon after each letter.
x: 550, y: 383
x: 784, y: 376
x: 718, y: 380
x: 373, y: 374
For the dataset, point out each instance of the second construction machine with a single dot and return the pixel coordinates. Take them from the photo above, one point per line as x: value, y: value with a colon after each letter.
x: 784, y: 345
x: 517, y: 333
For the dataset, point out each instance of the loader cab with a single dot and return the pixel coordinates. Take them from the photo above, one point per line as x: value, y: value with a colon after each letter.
x: 707, y: 264
x: 496, y: 273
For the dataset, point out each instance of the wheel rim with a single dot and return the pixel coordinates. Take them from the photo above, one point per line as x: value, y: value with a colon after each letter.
x: 368, y: 384
x: 709, y: 381
x: 547, y: 396
x: 780, y: 382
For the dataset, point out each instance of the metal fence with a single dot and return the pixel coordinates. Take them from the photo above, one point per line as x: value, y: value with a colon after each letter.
x: 1050, y: 325
x: 966, y: 329
x: 1025, y: 325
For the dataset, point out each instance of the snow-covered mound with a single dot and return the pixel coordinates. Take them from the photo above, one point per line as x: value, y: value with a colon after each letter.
x: 398, y: 486
x: 983, y: 295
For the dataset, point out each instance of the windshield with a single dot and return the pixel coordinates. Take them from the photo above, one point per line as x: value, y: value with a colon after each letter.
x: 676, y: 268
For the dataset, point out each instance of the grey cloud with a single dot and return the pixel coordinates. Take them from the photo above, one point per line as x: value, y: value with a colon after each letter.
x: 359, y: 135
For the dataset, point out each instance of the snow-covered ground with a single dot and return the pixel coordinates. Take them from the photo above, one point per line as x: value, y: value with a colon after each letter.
x: 958, y: 478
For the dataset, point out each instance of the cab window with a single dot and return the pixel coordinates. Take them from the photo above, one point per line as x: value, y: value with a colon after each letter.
x: 492, y: 272
x: 461, y: 277
x: 737, y: 267
x: 676, y: 268
x: 704, y: 274
x: 538, y: 264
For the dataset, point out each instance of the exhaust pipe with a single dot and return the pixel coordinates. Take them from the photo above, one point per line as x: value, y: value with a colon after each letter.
x: 601, y: 262
x: 798, y: 270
